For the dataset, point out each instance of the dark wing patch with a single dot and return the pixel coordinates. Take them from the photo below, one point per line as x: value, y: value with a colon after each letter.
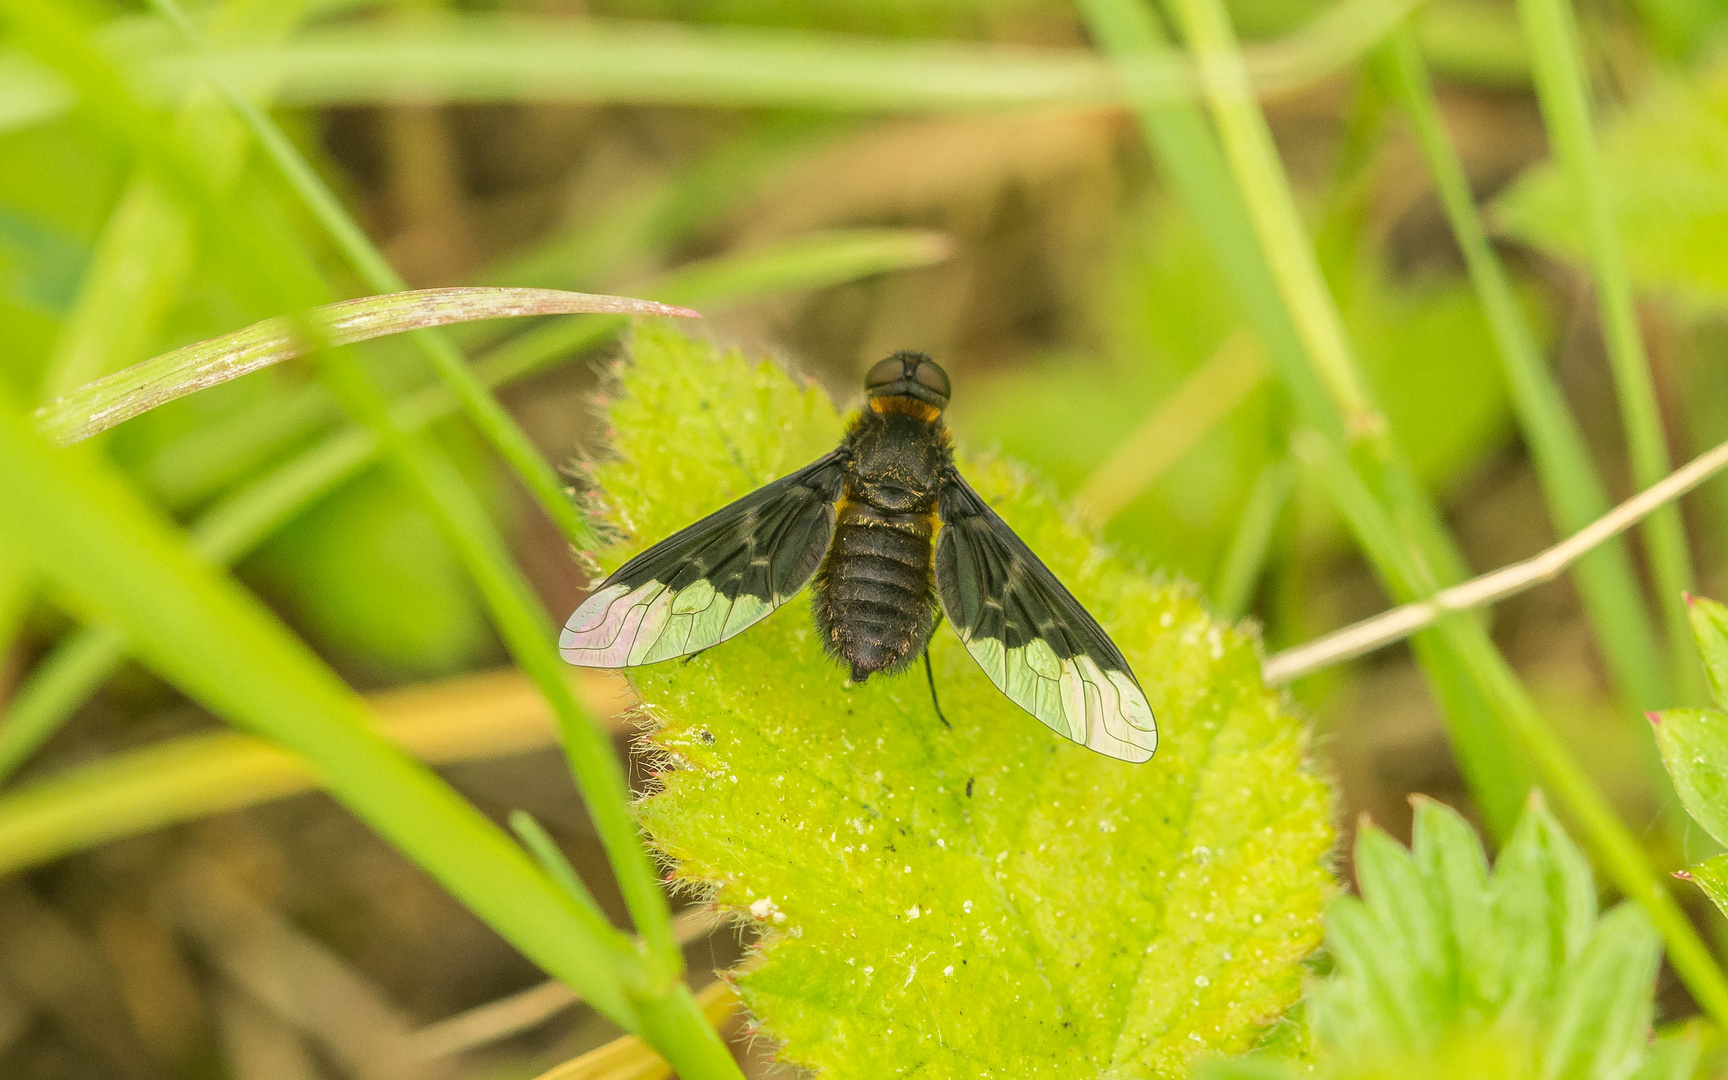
x: 713, y: 579
x: 1030, y: 635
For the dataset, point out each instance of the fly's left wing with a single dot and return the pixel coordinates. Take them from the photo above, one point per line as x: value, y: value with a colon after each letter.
x: 712, y: 580
x: 1030, y: 635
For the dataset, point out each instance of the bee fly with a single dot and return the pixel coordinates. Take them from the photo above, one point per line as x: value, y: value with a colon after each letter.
x: 884, y: 528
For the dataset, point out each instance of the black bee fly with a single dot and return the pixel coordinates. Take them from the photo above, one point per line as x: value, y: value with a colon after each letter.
x: 884, y: 528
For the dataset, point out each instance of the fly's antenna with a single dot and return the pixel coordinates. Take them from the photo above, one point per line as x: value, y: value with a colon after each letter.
x: 930, y: 676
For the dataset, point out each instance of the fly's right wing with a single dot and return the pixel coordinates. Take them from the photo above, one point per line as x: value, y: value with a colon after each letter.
x: 1030, y: 635
x: 715, y: 578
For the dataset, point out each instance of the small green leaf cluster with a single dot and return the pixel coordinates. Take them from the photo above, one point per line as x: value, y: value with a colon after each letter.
x: 1444, y: 968
x: 985, y: 899
x: 1694, y: 745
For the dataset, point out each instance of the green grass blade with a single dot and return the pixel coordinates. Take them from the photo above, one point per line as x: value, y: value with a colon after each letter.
x: 1245, y: 558
x: 490, y: 58
x: 545, y: 850
x: 91, y: 537
x: 525, y: 627
x: 102, y: 404
x: 61, y: 683
x: 1576, y: 495
x: 813, y: 261
x: 1256, y: 167
x: 60, y: 38
x: 1561, y: 88
x: 1190, y: 159
x: 193, y: 776
x: 147, y: 249
x: 1271, y: 205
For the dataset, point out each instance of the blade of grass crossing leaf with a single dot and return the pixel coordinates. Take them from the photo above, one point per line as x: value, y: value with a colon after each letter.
x: 506, y: 436
x: 523, y: 624
x: 91, y: 537
x: 1575, y: 494
x: 1561, y: 86
x: 57, y: 37
x: 234, y: 527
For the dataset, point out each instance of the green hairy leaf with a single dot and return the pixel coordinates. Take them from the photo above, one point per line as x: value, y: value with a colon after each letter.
x: 1694, y: 742
x: 915, y: 887
x: 1446, y: 969
x: 1694, y: 745
x: 1666, y: 162
x: 1711, y: 875
x: 1710, y: 630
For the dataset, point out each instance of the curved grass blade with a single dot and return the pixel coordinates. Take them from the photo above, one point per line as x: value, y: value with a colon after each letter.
x: 236, y: 525
x: 109, y: 401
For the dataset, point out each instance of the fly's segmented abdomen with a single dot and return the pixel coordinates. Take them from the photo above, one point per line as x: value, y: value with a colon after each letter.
x: 872, y: 594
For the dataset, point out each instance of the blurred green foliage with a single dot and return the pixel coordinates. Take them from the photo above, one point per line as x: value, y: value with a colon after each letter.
x: 1055, y: 269
x: 1666, y: 159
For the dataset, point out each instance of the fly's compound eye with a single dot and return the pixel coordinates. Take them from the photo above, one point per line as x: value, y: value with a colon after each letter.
x: 932, y: 378
x: 909, y: 374
x: 885, y: 374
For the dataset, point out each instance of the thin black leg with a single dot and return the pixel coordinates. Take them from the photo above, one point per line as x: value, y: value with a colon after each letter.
x: 694, y: 655
x: 930, y: 675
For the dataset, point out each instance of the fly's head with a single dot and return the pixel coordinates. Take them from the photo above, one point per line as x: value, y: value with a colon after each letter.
x: 908, y: 382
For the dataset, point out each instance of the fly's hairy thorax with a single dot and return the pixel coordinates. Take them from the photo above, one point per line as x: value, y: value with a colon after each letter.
x: 874, y: 600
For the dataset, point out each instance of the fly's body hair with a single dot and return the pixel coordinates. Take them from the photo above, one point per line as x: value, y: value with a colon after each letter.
x: 875, y: 603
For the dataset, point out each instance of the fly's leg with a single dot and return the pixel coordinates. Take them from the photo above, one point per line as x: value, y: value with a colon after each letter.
x: 930, y: 676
